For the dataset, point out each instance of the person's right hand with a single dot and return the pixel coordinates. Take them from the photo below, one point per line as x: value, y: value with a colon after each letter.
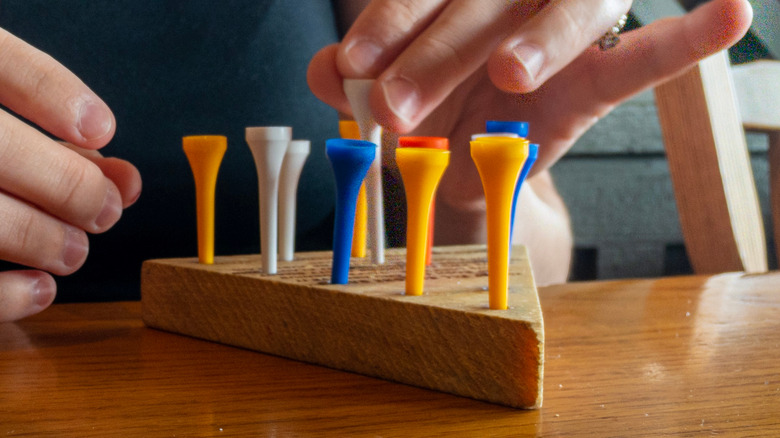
x: 51, y: 193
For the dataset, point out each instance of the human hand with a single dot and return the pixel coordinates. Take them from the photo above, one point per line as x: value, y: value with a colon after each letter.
x: 51, y: 193
x: 459, y: 58
x: 420, y: 51
x: 465, y: 62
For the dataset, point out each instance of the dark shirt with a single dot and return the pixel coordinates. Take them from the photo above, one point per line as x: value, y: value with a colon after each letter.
x: 173, y: 68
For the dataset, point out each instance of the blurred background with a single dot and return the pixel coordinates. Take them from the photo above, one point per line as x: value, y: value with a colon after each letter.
x: 616, y: 182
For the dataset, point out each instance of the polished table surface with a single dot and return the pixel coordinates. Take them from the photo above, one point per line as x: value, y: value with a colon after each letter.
x: 674, y: 356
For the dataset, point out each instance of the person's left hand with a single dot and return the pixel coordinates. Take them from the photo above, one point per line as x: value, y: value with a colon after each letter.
x: 52, y: 194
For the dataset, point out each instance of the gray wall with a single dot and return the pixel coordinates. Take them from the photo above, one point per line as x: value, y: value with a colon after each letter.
x: 616, y: 183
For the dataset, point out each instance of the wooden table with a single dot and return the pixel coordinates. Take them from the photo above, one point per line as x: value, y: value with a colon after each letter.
x: 683, y: 356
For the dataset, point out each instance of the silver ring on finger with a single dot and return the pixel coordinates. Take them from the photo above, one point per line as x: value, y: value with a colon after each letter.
x: 611, y: 39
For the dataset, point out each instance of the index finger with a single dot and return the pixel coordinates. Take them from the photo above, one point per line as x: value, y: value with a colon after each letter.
x: 420, y: 51
x: 40, y: 89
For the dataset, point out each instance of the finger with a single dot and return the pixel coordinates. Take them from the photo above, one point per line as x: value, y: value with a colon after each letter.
x: 33, y: 238
x: 24, y: 293
x: 550, y: 40
x: 381, y: 32
x: 122, y: 173
x: 446, y: 53
x: 40, y: 89
x: 58, y: 180
x: 644, y: 58
x: 325, y: 81
x: 655, y: 53
x: 125, y: 176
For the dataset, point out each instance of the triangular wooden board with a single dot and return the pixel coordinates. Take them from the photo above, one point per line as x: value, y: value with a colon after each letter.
x: 446, y: 340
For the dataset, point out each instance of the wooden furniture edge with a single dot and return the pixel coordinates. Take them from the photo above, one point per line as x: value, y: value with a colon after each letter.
x: 446, y: 340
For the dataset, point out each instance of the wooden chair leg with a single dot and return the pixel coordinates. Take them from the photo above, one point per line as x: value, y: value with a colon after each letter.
x: 774, y: 185
x: 710, y: 168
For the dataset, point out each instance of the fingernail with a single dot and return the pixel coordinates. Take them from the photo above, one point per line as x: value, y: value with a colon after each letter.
x: 43, y: 292
x: 94, y: 120
x: 531, y: 57
x: 402, y: 97
x: 112, y: 209
x: 362, y: 56
x: 75, y: 249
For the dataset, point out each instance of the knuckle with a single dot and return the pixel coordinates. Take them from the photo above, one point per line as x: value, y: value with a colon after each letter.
x: 40, y: 74
x: 32, y: 238
x: 9, y: 155
x: 447, y: 51
x: 25, y: 237
x: 403, y: 11
x: 398, y: 19
x: 77, y: 189
x: 27, y: 234
x: 34, y: 79
x: 573, y: 25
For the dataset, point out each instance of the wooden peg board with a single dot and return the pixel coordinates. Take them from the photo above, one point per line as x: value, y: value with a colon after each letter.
x: 447, y: 340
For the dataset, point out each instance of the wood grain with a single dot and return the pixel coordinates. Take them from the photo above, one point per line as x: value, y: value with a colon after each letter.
x: 710, y: 168
x: 682, y: 356
x: 773, y: 156
x: 447, y: 339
